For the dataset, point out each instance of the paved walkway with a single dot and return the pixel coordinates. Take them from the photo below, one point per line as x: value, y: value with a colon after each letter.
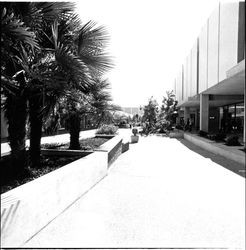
x: 225, y: 162
x: 157, y: 194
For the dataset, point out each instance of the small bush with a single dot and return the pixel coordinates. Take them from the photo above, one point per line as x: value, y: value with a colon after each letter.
x: 134, y: 131
x: 232, y: 140
x: 220, y: 137
x: 179, y: 127
x: 162, y: 131
x: 202, y: 133
x: 211, y: 137
x: 107, y: 130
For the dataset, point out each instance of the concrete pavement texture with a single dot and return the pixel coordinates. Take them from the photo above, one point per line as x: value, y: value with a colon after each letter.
x: 225, y: 162
x: 158, y: 194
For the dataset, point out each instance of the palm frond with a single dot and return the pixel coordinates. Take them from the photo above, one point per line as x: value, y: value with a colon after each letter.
x: 14, y: 29
x: 54, y: 10
x: 92, y: 42
x: 75, y: 70
x: 9, y: 86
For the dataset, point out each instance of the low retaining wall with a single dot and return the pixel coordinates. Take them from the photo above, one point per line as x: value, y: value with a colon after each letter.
x: 232, y: 153
x: 65, y: 152
x: 28, y: 208
x: 176, y: 134
x: 113, y: 147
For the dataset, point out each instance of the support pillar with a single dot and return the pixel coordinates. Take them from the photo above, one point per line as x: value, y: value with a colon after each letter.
x: 186, y: 114
x: 204, y: 112
x: 178, y: 117
x: 196, y: 119
x: 244, y: 118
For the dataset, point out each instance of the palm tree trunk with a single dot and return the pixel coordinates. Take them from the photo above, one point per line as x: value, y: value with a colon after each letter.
x: 99, y: 120
x: 16, y: 114
x: 36, y: 121
x: 74, y: 130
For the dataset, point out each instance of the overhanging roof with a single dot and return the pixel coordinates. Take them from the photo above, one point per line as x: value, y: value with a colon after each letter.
x: 231, y: 90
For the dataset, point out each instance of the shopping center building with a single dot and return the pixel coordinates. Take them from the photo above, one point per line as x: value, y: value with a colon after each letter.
x: 210, y: 85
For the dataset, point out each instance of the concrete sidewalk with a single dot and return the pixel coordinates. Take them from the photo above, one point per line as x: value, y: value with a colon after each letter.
x: 158, y: 194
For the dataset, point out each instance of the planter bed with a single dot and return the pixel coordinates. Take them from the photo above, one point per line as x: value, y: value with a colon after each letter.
x: 104, y: 136
x: 85, y: 144
x: 48, y: 164
x: 25, y: 210
x: 53, y: 157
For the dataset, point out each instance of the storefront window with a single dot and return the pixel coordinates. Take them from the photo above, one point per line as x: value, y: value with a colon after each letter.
x: 231, y: 118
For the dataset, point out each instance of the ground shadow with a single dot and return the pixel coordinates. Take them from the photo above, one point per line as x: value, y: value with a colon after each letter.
x: 222, y: 161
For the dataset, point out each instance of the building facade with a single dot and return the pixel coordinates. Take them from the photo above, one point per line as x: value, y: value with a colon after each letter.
x: 210, y: 85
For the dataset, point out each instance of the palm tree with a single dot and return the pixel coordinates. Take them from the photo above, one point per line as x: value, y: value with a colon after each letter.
x: 31, y: 44
x: 76, y: 105
x: 14, y: 36
x: 88, y: 45
x: 96, y: 103
x: 78, y: 53
x: 59, y: 54
x: 101, y: 99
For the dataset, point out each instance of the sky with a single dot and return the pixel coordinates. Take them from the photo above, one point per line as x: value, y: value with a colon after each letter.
x: 149, y: 40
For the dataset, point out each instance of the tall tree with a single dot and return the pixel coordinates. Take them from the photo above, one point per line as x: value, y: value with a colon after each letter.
x: 150, y: 114
x: 15, y: 35
x: 169, y: 107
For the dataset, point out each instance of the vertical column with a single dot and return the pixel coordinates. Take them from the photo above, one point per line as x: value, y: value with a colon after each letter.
x: 244, y: 118
x: 196, y: 119
x: 204, y: 112
x: 178, y: 117
x: 186, y: 114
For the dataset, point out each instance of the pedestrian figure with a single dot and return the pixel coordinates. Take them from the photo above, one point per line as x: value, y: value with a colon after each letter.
x: 190, y: 125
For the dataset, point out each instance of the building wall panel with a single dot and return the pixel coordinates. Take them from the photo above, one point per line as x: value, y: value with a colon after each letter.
x: 203, y: 56
x: 194, y: 70
x: 186, y: 79
x: 228, y: 43
x: 179, y: 86
x: 213, y: 47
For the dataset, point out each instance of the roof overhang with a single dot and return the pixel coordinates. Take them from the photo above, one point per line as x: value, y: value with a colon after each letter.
x: 229, y: 91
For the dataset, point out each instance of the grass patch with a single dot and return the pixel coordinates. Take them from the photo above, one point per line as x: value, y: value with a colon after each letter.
x: 85, y: 144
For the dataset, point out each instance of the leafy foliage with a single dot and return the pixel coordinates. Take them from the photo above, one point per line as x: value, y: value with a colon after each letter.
x: 107, y: 130
x: 232, y: 140
x: 55, y: 54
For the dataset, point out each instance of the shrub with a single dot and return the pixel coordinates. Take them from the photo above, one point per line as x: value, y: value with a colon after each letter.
x: 178, y: 126
x: 202, y: 133
x: 220, y: 137
x: 211, y: 137
x: 134, y: 131
x: 107, y: 130
x: 232, y: 140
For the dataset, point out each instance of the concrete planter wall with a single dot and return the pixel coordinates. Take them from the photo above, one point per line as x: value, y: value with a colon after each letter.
x: 176, y: 134
x: 28, y: 208
x: 69, y: 152
x: 233, y: 153
x: 113, y: 147
x: 134, y: 138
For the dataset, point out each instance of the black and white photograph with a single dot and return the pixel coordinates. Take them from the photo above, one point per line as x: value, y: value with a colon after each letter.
x: 123, y: 124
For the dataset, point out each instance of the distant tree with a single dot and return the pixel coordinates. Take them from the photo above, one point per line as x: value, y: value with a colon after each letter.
x: 150, y: 114
x: 169, y: 107
x: 168, y: 112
